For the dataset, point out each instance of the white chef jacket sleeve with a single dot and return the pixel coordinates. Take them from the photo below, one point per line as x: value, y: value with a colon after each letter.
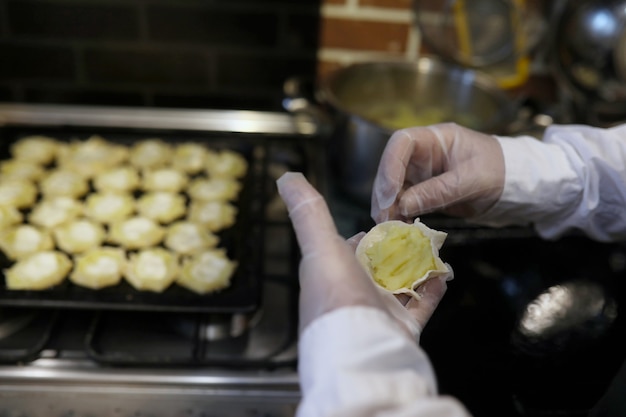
x: 357, y: 361
x: 572, y: 180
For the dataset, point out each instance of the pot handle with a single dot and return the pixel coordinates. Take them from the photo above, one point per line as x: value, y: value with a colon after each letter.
x: 299, y: 100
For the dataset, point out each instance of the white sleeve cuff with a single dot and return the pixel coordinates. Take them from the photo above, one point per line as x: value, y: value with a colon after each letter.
x: 540, y: 184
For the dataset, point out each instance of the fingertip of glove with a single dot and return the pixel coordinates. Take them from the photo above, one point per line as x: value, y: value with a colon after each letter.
x: 287, y: 178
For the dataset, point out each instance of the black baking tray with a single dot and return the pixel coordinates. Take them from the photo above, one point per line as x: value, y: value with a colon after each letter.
x: 241, y: 241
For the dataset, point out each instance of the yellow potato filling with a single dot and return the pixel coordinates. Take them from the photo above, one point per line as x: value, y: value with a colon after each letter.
x: 404, y: 255
x: 399, y: 257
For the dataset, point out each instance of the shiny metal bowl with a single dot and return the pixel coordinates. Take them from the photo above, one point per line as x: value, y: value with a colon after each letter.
x: 371, y: 100
x: 590, y: 53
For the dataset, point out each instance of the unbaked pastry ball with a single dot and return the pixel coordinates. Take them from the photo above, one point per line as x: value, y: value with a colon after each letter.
x: 214, y: 189
x: 190, y: 157
x: 92, y: 156
x: 38, y: 149
x: 79, y: 236
x: 64, y: 183
x: 17, y: 169
x: 162, y: 206
x: 53, y: 211
x: 152, y: 269
x: 150, y: 153
x: 109, y: 207
x: 186, y: 238
x: 136, y: 233
x: 38, y: 271
x: 165, y: 179
x: 206, y: 272
x: 226, y: 163
x: 214, y: 215
x: 20, y: 194
x: 120, y: 179
x: 99, y: 268
x: 22, y: 240
x: 9, y: 216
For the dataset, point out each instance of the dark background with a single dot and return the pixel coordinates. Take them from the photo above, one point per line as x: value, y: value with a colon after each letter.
x: 161, y: 53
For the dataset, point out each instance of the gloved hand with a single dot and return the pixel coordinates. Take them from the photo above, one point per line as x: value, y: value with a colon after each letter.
x: 330, y: 275
x: 442, y: 167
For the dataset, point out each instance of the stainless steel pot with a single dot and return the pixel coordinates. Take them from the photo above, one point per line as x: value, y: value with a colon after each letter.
x: 590, y: 57
x: 371, y: 100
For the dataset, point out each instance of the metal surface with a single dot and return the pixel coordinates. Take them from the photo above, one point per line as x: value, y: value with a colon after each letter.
x: 589, y: 56
x: 240, y: 121
x: 428, y: 89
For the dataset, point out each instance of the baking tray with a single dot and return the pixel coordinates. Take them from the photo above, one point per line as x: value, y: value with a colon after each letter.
x: 241, y: 241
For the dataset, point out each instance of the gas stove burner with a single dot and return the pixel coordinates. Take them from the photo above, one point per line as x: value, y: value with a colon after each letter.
x: 13, y: 320
x: 214, y: 327
x: 219, y: 328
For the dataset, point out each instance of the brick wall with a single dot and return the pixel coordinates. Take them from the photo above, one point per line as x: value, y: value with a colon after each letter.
x: 172, y: 53
x: 361, y: 30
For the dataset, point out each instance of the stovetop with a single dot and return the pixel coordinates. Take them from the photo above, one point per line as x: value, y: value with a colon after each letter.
x: 108, y: 361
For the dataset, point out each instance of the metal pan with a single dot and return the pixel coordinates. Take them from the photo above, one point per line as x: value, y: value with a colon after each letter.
x: 241, y: 241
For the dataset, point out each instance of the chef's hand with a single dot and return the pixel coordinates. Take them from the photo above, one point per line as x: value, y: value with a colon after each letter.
x: 330, y: 275
x: 442, y: 167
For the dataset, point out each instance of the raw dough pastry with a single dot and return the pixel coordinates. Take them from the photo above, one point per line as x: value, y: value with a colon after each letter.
x: 64, y: 183
x: 152, y: 269
x: 136, y: 233
x: 38, y: 271
x: 186, y: 238
x: 23, y: 240
x: 109, y: 207
x: 215, y: 189
x: 9, y: 216
x: 214, y: 215
x: 99, y: 268
x: 162, y: 206
x: 79, y: 236
x: 150, y: 153
x: 119, y: 179
x: 20, y: 194
x: 38, y: 149
x: 226, y: 164
x: 92, y: 156
x: 190, y: 157
x: 164, y: 179
x: 399, y: 256
x: 53, y: 211
x: 206, y: 272
x: 17, y: 169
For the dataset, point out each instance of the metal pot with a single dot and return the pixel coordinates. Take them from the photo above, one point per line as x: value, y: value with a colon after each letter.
x: 370, y: 101
x: 590, y: 57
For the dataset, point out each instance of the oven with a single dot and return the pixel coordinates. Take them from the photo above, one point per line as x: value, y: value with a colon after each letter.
x: 67, y: 352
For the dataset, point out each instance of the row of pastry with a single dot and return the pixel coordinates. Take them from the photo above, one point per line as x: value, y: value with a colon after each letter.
x: 148, y: 255
x: 80, y: 235
x: 95, y: 155
x: 151, y: 269
x: 22, y: 181
x: 107, y: 208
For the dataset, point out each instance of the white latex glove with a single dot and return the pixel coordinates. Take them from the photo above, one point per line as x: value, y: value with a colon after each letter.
x: 330, y: 275
x: 443, y: 167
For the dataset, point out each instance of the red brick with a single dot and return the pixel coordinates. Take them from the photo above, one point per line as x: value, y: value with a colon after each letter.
x: 395, y: 4
x: 364, y: 35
